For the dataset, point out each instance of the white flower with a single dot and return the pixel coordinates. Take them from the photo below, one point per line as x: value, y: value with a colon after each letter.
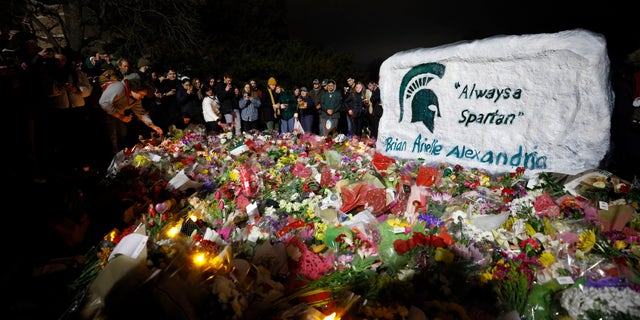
x: 578, y: 300
x: 406, y: 274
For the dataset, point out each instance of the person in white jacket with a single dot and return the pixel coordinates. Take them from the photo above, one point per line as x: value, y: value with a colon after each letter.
x: 211, y: 111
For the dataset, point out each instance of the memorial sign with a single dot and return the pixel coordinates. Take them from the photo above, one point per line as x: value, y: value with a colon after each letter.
x: 542, y: 102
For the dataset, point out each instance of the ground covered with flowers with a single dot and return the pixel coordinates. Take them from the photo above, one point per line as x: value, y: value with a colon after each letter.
x: 297, y: 226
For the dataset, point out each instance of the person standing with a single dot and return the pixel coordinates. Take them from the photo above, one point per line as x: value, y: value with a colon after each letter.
x: 315, y: 94
x: 126, y: 72
x: 355, y: 108
x: 167, y: 90
x: 71, y: 87
x: 144, y: 69
x: 189, y: 107
x: 375, y: 107
x: 255, y: 88
x: 226, y: 95
x: 197, y: 88
x: 249, y: 108
x: 329, y: 106
x: 348, y: 102
x: 288, y: 109
x: 306, y: 110
x: 237, y: 122
x: 117, y: 99
x: 271, y: 106
x: 211, y: 111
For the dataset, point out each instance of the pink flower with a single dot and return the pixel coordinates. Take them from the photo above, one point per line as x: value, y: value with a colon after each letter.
x: 224, y: 233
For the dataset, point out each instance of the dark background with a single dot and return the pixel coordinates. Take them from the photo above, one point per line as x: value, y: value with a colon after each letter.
x: 375, y: 29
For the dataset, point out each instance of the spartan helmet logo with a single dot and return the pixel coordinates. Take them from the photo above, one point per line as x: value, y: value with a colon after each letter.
x: 424, y: 102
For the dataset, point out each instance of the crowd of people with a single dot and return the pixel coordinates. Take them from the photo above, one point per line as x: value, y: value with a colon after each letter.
x: 77, y: 108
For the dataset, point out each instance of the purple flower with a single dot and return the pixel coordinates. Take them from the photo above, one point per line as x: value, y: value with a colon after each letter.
x: 430, y: 220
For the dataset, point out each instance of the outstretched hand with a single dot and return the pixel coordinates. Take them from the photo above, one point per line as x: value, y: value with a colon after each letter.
x: 157, y: 129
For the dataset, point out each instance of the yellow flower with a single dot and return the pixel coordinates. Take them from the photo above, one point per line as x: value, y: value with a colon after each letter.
x: 485, y: 277
x: 547, y: 259
x: 619, y: 244
x: 310, y: 213
x: 530, y: 230
x: 548, y: 227
x: 485, y: 181
x: 587, y: 241
x: 444, y: 255
x: 321, y: 228
x: 397, y: 223
x: 140, y: 160
x: 234, y: 175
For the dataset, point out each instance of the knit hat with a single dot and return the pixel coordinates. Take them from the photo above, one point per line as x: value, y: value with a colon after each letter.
x: 272, y: 81
x: 143, y: 62
x: 303, y: 89
x: 316, y: 81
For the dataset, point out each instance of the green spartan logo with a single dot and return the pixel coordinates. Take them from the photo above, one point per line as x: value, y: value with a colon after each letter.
x: 424, y: 102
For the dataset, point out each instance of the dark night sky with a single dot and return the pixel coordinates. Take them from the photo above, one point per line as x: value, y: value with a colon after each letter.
x: 375, y: 29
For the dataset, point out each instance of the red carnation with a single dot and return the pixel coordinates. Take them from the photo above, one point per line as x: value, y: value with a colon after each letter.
x: 400, y: 246
x: 420, y: 238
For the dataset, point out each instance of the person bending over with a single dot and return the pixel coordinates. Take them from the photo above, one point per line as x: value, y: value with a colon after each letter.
x: 121, y: 100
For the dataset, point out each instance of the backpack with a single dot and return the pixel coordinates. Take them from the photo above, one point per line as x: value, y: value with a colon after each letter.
x: 109, y: 75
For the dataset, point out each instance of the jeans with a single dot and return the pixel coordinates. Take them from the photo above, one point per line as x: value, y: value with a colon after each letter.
x: 307, y: 122
x: 116, y: 132
x: 287, y: 125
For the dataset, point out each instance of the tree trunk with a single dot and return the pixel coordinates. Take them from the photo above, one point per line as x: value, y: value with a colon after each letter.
x: 74, y: 24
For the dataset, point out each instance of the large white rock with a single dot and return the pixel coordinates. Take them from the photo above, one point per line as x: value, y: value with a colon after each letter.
x: 541, y: 101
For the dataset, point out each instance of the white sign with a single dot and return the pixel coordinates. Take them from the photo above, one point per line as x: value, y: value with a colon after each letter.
x: 542, y: 102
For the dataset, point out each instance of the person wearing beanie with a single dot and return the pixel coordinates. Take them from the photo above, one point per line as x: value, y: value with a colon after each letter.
x: 271, y: 106
x: 144, y: 66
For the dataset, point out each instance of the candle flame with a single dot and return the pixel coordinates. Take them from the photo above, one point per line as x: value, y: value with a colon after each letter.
x: 173, y: 231
x: 332, y: 317
x: 111, y: 235
x: 199, y: 259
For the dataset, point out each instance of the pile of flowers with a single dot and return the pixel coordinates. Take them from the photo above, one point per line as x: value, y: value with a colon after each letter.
x: 265, y: 225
